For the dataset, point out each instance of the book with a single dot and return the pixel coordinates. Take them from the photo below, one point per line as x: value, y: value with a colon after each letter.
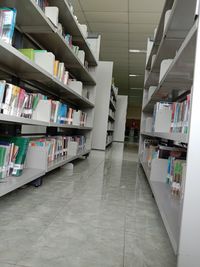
x: 28, y: 52
x: 2, y: 91
x: 7, y: 26
x: 13, y: 152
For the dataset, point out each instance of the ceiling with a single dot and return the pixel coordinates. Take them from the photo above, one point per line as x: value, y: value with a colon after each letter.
x: 123, y: 25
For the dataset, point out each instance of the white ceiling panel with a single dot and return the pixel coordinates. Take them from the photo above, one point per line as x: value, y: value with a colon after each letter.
x: 123, y: 25
x: 139, y: 37
x: 108, y: 27
x: 107, y: 17
x: 113, y: 36
x: 112, y: 43
x: 137, y: 45
x: 139, y: 27
x: 105, y: 5
x: 139, y: 17
x: 149, y: 6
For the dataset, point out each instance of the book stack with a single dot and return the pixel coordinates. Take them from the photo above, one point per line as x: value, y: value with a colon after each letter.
x: 76, y: 117
x: 47, y: 61
x: 149, y: 150
x: 15, y: 101
x: 12, y: 155
x: 7, y: 24
x: 154, y: 150
x: 60, y: 72
x: 162, y: 117
x: 59, y: 146
x: 176, y: 173
x: 171, y: 117
x: 180, y: 116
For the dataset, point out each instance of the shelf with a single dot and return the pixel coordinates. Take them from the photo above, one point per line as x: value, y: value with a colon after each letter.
x: 56, y: 43
x: 70, y: 25
x: 180, y: 73
x: 177, y: 137
x: 15, y: 63
x: 110, y: 130
x: 64, y: 160
x: 111, y: 118
x: 112, y: 106
x: 146, y: 169
x: 11, y: 183
x: 159, y: 33
x: 175, y: 32
x: 25, y: 121
x: 69, y: 126
x: 169, y: 208
x: 45, y: 33
x: 20, y: 120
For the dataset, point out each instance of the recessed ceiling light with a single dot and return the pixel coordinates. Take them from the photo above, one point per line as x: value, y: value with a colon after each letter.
x: 135, y: 75
x: 137, y: 51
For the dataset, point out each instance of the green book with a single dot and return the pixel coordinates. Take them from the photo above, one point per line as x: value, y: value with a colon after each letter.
x: 22, y: 143
x: 2, y: 159
x: 28, y: 52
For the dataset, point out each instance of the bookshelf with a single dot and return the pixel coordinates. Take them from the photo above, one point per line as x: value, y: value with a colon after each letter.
x: 32, y: 22
x: 120, y: 118
x: 180, y: 42
x: 104, y: 115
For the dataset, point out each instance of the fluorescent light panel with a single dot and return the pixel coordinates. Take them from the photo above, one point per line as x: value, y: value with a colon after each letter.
x: 137, y: 51
x: 135, y: 75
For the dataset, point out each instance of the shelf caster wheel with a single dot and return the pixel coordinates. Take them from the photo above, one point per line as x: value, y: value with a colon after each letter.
x: 87, y: 155
x: 37, y: 182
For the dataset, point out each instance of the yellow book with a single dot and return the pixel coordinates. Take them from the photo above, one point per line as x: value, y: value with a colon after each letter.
x: 55, y: 70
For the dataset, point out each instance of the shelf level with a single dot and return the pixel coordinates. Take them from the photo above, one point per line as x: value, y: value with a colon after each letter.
x: 64, y: 160
x: 169, y: 208
x: 24, y: 121
x: 11, y: 183
x: 13, y: 62
x: 159, y: 34
x: 145, y: 168
x: 167, y: 43
x: 69, y: 23
x: 179, y: 76
x: 178, y: 137
x: 69, y: 126
x: 38, y: 25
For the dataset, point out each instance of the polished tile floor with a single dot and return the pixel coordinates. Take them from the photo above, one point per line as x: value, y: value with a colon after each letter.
x: 101, y: 215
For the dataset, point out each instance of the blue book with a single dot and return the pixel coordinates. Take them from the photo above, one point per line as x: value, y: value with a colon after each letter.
x: 63, y: 113
x: 8, y: 19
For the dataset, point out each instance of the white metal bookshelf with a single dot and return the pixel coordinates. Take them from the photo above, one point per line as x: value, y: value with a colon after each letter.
x: 180, y: 41
x: 32, y: 21
x: 64, y: 160
x: 105, y: 107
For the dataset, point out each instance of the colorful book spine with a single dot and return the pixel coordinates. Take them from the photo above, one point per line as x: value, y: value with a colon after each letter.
x: 8, y: 20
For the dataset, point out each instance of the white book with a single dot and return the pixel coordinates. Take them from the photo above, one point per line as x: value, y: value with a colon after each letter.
x: 52, y: 12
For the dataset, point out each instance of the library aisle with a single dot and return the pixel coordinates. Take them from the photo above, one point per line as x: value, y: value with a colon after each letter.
x: 103, y: 215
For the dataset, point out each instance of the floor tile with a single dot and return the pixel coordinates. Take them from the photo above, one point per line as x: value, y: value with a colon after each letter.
x: 102, y: 214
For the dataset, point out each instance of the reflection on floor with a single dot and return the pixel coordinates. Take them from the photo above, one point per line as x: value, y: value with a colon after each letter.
x: 102, y: 215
